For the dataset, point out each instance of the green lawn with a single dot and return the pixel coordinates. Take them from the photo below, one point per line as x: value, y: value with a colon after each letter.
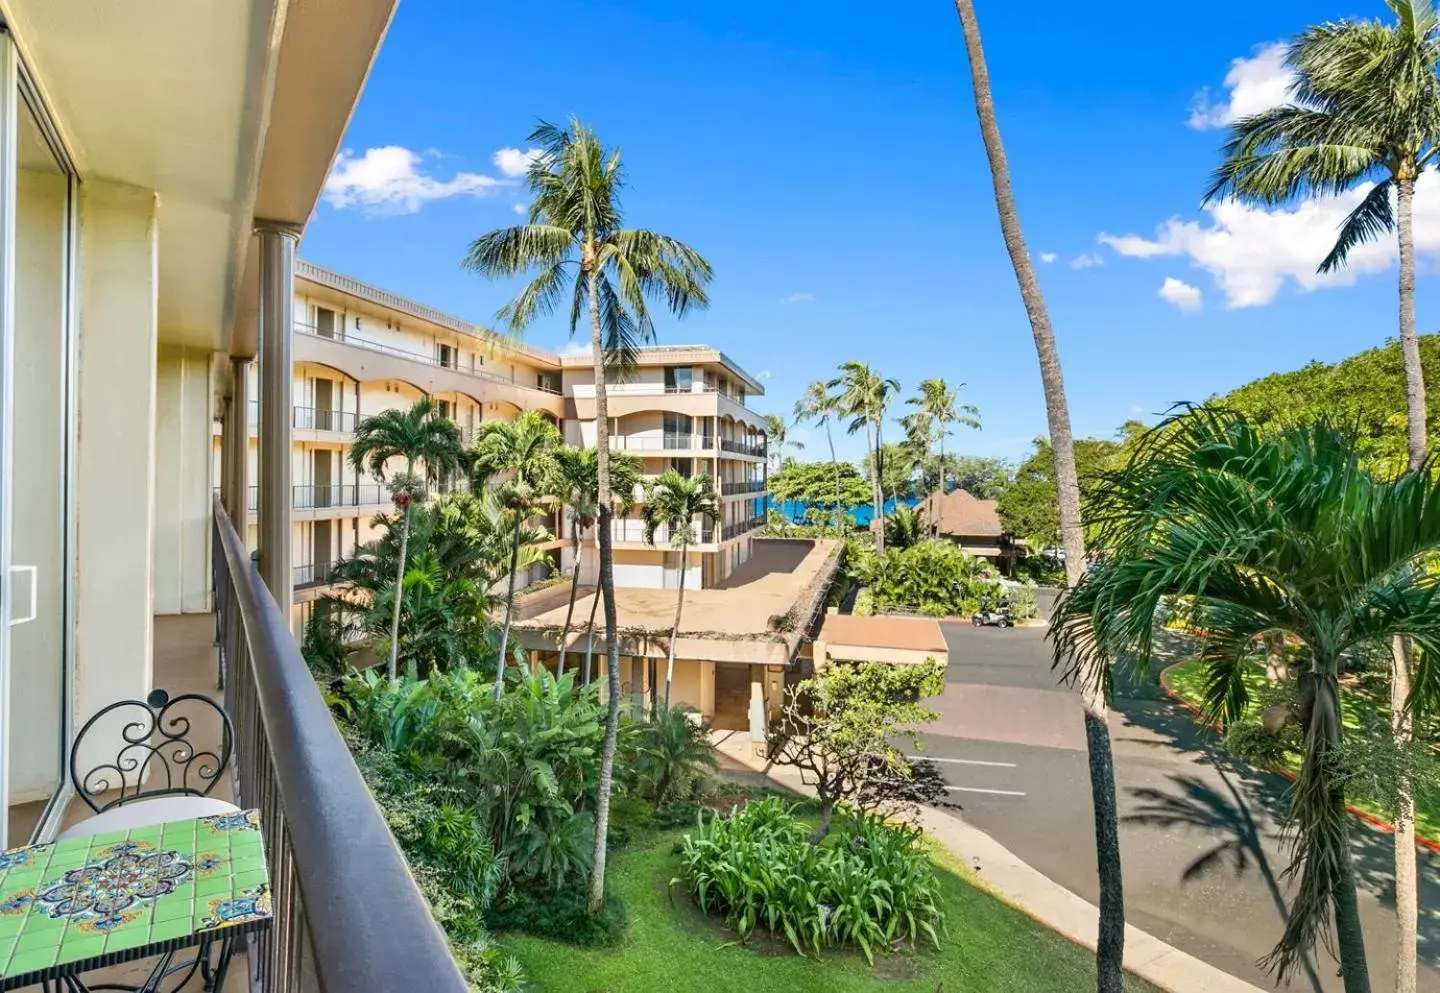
x: 1187, y: 681
x: 671, y: 946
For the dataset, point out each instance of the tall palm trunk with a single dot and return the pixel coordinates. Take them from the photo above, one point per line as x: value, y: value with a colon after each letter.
x: 875, y: 515
x: 574, y: 588
x: 839, y: 511
x: 1110, y: 946
x: 607, y: 589
x: 880, y: 479
x: 509, y: 606
x: 392, y: 668
x: 1406, y: 892
x: 590, y: 635
x: 935, y: 524
x: 675, y: 628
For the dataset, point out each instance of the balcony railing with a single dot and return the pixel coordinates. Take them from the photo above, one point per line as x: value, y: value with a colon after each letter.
x: 344, y: 337
x: 742, y: 486
x: 322, y: 419
x: 634, y: 531
x: 669, y: 441
x: 314, y: 574
x: 347, y: 913
x: 742, y: 527
x: 311, y: 497
x: 742, y: 448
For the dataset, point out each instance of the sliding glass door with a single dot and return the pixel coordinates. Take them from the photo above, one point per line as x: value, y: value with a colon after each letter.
x: 37, y: 439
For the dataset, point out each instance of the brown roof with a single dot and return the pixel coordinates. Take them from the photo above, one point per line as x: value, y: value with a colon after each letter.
x: 962, y: 515
x: 920, y: 634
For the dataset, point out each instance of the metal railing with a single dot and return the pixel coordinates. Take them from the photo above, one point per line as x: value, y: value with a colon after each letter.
x: 345, y: 338
x: 742, y: 448
x: 314, y: 574
x: 323, y: 419
x: 634, y: 531
x: 327, y: 846
x: 312, y: 497
x: 742, y: 486
x: 742, y: 527
x: 669, y: 441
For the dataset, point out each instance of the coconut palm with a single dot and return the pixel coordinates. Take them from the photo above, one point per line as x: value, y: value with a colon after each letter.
x: 521, y: 456
x: 937, y: 407
x: 1110, y: 946
x: 673, y: 502
x: 865, y: 397
x: 420, y: 436
x: 575, y: 236
x: 1269, y: 533
x: 777, y: 439
x: 1364, y: 109
x: 580, y: 489
x: 817, y: 403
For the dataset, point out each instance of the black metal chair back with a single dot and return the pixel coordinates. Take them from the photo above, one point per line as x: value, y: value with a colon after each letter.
x: 157, y: 757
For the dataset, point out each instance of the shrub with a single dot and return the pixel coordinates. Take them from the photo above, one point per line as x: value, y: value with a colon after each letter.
x: 869, y: 886
x: 563, y: 916
x: 931, y: 577
x: 666, y: 755
x: 1022, y: 601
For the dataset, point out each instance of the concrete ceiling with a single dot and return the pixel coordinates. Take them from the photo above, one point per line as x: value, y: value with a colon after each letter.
x: 228, y: 111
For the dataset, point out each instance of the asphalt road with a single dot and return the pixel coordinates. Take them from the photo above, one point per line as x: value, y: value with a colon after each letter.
x: 1201, y: 837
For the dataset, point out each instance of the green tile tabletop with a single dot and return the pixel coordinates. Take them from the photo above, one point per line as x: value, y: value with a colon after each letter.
x: 87, y: 903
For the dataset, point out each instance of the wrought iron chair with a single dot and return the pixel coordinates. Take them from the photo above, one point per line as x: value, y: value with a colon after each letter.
x: 158, y: 774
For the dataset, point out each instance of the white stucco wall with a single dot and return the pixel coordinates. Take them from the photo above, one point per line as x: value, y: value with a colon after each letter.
x: 184, y: 467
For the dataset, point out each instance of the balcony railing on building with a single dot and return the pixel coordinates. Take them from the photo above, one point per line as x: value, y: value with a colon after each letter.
x: 311, y: 497
x: 669, y: 441
x: 322, y: 419
x: 315, y: 574
x: 634, y: 531
x: 755, y: 450
x: 348, y: 914
x: 742, y: 486
x: 742, y: 527
x: 543, y: 384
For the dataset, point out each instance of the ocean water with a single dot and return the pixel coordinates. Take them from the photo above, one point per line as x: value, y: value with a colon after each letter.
x: 794, y: 510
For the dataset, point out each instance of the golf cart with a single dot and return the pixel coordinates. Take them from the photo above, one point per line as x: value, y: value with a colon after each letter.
x: 992, y: 614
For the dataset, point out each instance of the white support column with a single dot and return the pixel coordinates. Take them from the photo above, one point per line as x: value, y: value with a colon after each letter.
x: 235, y: 450
x: 277, y: 320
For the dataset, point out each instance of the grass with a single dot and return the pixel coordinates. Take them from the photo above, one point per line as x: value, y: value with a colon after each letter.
x: 1357, y: 704
x: 672, y: 946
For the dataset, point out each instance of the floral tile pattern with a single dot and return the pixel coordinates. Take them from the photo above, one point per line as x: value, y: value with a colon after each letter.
x: 86, y: 902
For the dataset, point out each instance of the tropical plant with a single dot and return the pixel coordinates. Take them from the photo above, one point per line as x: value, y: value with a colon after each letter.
x: 521, y: 456
x: 817, y: 403
x: 1030, y: 505
x: 673, y: 502
x: 842, y: 730
x: 931, y: 577
x: 670, y: 750
x: 901, y: 472
x: 575, y: 237
x: 1110, y: 944
x: 1262, y: 533
x: 982, y: 478
x: 937, y: 407
x: 757, y: 868
x: 580, y: 489
x: 864, y: 398
x: 419, y: 436
x: 903, y: 528
x: 777, y: 439
x: 831, y: 488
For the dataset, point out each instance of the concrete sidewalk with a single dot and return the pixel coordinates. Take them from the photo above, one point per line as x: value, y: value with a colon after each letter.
x: 1000, y: 871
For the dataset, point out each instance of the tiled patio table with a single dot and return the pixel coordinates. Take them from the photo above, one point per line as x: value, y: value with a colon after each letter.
x: 74, y: 906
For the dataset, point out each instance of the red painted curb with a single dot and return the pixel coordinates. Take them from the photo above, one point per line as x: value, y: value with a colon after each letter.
x: 1367, y: 818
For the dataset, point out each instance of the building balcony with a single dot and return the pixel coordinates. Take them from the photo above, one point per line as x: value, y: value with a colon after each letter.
x: 321, y: 419
x: 739, y: 528
x: 748, y: 449
x: 667, y: 442
x: 633, y: 533
x: 315, y: 574
x: 742, y: 487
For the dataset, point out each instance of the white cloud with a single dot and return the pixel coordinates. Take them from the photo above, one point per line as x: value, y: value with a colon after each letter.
x: 389, y: 180
x: 1252, y: 252
x: 1181, y: 294
x: 513, y: 162
x: 1086, y: 260
x: 799, y: 298
x: 574, y: 349
x: 521, y: 208
x: 1254, y: 84
x: 766, y: 374
x: 1048, y: 257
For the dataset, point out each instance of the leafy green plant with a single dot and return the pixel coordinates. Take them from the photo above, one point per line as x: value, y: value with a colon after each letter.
x: 669, y: 752
x: 933, y: 578
x: 870, y: 887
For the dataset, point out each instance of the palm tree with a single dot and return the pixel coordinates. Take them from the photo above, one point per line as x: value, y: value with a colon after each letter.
x: 817, y: 403
x: 418, y: 435
x: 524, y: 451
x: 1365, y: 108
x: 777, y: 439
x: 937, y: 407
x: 673, y: 502
x: 580, y: 485
x: 1110, y: 946
x: 671, y: 749
x: 1269, y: 533
x: 576, y: 238
x: 864, y: 398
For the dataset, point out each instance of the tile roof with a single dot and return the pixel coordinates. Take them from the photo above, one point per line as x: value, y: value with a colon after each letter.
x: 962, y: 515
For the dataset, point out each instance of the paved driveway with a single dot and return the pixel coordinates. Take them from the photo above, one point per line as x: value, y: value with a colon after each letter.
x: 1200, y: 836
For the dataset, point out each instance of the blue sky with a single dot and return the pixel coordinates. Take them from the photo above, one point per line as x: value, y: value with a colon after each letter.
x: 826, y: 160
